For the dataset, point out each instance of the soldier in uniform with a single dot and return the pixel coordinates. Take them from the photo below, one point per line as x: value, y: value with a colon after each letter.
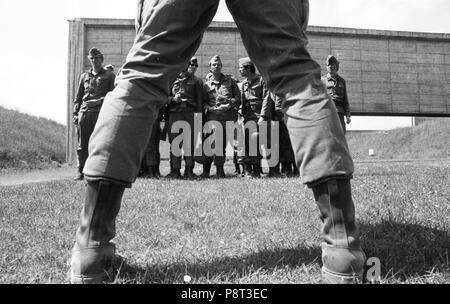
x: 92, y: 88
x: 253, y: 91
x: 274, y: 36
x: 337, y: 89
x: 222, y: 106
x: 185, y: 101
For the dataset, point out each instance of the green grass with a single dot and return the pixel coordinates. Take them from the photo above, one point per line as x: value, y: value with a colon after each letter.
x: 29, y: 142
x: 234, y: 230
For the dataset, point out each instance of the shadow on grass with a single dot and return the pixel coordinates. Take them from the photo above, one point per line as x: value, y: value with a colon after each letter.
x: 229, y: 269
x: 406, y: 252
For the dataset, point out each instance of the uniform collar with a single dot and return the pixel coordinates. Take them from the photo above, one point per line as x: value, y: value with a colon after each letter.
x: 331, y: 78
x: 102, y: 70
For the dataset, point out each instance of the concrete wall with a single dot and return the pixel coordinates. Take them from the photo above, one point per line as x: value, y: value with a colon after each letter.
x: 387, y: 72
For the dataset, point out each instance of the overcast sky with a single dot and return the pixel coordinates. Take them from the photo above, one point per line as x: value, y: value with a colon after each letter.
x: 34, y: 34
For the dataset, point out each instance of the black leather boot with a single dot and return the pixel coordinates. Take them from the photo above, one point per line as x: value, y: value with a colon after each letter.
x: 286, y: 169
x: 219, y: 171
x: 174, y: 173
x: 206, y: 169
x: 247, y: 171
x: 189, y: 173
x: 342, y: 257
x: 93, y: 253
x: 274, y: 171
x: 257, y: 170
x: 80, y: 175
x: 237, y: 169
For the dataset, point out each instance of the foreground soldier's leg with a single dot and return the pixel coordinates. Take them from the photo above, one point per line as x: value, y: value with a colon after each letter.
x: 274, y: 36
x: 168, y: 35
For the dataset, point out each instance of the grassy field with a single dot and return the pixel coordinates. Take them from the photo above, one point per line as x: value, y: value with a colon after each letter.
x: 29, y: 142
x: 236, y: 230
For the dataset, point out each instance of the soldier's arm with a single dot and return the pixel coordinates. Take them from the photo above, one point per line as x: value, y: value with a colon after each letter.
x: 79, y: 97
x: 235, y: 101
x: 268, y: 106
x: 112, y: 83
x: 345, y: 102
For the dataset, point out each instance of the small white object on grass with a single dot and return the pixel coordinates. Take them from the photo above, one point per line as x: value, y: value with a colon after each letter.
x: 371, y: 152
x: 187, y: 278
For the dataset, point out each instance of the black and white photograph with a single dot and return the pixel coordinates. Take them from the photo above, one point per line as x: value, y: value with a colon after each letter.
x: 225, y: 150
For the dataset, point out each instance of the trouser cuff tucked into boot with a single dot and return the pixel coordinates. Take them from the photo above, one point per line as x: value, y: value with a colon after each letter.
x: 342, y: 257
x: 93, y: 253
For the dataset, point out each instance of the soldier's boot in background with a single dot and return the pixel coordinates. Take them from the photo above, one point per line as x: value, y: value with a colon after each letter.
x: 257, y: 170
x: 174, y: 173
x: 342, y: 257
x: 157, y: 172
x: 152, y: 172
x: 80, y: 175
x: 237, y: 169
x: 93, y: 253
x: 219, y: 171
x: 206, y: 169
x: 189, y: 173
x: 286, y: 169
x: 274, y: 171
x: 295, y: 171
x: 247, y: 171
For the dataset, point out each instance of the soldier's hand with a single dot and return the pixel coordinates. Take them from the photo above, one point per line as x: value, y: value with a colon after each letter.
x: 177, y: 98
x: 75, y: 119
x: 348, y: 119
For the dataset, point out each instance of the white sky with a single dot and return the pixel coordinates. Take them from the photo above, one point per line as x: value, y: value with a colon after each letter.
x: 34, y: 48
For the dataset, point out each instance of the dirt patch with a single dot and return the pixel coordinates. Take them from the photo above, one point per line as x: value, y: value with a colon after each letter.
x: 35, y: 176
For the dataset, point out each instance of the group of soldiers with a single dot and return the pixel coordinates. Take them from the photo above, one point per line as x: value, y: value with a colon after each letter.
x: 219, y: 98
x: 168, y: 34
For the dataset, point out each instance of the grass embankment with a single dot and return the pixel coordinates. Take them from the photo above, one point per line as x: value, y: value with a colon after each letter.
x: 429, y: 140
x: 234, y: 230
x: 29, y: 142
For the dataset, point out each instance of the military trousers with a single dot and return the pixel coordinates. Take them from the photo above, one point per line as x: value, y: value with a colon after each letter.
x: 250, y: 153
x: 86, y: 125
x: 168, y: 33
x: 152, y: 155
x: 187, y: 144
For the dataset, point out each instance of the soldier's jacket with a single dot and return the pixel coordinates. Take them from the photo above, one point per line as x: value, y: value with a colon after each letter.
x: 252, y: 96
x: 337, y: 89
x: 224, y: 98
x: 192, y: 94
x: 92, y: 90
x: 271, y: 107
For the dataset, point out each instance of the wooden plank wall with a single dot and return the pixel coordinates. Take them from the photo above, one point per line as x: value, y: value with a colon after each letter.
x: 387, y: 72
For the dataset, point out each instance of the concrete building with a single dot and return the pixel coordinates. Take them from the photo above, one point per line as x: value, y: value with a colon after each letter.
x: 388, y: 73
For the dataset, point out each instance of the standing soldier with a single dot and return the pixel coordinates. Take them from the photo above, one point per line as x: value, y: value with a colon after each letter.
x: 222, y: 106
x: 337, y: 89
x: 92, y: 89
x: 185, y: 101
x: 253, y: 91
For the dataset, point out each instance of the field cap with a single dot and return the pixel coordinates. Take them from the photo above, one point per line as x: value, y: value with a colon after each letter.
x: 245, y: 61
x: 95, y: 52
x: 332, y: 59
x: 215, y: 58
x: 193, y: 61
